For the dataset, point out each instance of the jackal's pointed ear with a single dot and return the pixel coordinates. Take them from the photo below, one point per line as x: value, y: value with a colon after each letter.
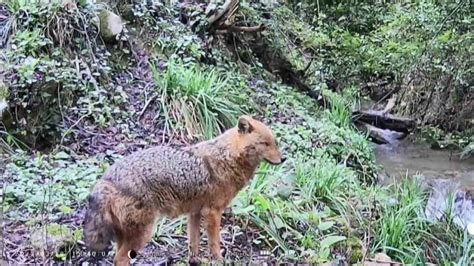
x: 244, y: 125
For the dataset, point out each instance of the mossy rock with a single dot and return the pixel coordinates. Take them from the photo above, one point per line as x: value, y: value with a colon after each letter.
x: 285, y: 191
x: 51, y: 238
x: 356, y: 249
x: 110, y: 26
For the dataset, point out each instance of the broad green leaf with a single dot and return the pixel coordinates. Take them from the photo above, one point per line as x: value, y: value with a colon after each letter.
x: 325, y: 225
x: 247, y: 209
x: 331, y: 240
x: 61, y: 156
x: 262, y: 202
x: 279, y: 222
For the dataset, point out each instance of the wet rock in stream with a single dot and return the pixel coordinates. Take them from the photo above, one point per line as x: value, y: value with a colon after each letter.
x: 448, y: 197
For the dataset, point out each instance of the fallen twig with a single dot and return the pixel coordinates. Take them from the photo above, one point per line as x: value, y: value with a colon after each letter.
x: 258, y: 28
x: 146, y: 106
x: 390, y: 105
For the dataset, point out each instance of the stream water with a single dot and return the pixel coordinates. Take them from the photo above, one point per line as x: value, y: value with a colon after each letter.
x: 443, y: 170
x: 404, y: 156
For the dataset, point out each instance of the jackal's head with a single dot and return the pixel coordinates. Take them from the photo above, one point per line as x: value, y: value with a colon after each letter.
x: 255, y: 140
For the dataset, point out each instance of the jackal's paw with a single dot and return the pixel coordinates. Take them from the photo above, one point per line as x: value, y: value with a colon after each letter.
x: 217, y: 260
x: 194, y: 260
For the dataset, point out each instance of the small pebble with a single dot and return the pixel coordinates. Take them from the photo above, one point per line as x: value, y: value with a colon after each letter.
x: 470, y: 229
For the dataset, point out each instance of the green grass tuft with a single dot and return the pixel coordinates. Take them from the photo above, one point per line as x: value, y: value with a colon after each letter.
x: 195, y: 102
x: 403, y: 232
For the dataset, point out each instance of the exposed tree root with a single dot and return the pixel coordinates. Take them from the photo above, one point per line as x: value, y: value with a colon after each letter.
x: 222, y: 19
x: 275, y: 62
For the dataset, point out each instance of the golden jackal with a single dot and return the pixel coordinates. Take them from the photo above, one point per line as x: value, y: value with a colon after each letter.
x: 198, y: 180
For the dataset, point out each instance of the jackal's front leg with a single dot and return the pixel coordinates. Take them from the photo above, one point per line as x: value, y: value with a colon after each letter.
x: 213, y: 233
x: 194, y: 220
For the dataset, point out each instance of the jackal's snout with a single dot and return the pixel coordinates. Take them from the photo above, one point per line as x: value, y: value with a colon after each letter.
x: 260, y: 138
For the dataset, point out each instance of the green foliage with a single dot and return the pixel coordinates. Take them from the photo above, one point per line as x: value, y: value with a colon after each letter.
x: 51, y: 184
x: 353, y: 43
x: 439, y: 139
x: 168, y: 227
x: 467, y: 250
x: 397, y: 231
x: 168, y: 36
x: 45, y: 78
x: 406, y: 235
x: 309, y: 132
x: 195, y: 100
x: 8, y: 143
x: 292, y: 210
x: 340, y: 114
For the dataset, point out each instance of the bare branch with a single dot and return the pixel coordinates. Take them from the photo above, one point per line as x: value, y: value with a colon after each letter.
x: 226, y: 10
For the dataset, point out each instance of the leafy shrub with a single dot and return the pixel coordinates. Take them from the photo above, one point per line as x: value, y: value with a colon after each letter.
x: 54, y: 67
x: 168, y: 36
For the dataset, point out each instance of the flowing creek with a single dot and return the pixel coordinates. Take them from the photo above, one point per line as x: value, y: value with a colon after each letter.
x: 404, y: 156
x: 444, y: 172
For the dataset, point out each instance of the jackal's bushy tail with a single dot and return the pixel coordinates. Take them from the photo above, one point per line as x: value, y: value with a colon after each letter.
x: 98, y: 228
